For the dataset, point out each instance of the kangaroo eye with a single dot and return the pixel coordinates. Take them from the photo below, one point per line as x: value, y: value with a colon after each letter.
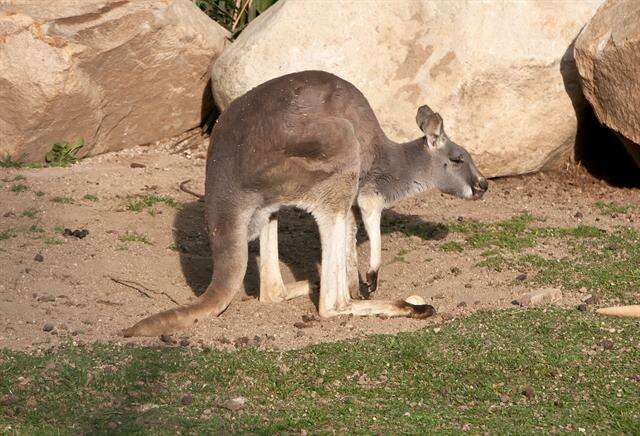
x: 456, y: 159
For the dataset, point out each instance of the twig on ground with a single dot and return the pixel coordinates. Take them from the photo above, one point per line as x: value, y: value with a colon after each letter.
x: 142, y: 289
x: 183, y: 188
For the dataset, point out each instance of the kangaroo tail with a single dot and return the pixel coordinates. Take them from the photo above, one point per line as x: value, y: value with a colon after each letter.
x: 229, y: 256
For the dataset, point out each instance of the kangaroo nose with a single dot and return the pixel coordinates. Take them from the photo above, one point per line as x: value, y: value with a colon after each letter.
x: 479, y: 188
x: 482, y: 184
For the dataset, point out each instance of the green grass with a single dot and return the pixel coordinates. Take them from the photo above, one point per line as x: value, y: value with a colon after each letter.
x: 63, y: 154
x: 36, y: 229
x: 8, y: 162
x: 39, y: 194
x: 90, y: 197
x: 139, y: 203
x: 62, y: 200
x: 52, y: 240
x: 612, y: 209
x: 29, y: 213
x: 452, y: 246
x: 234, y: 15
x: 19, y: 187
x: 19, y: 177
x: 132, y: 236
x: 470, y: 375
x: 607, y: 262
x: 9, y: 233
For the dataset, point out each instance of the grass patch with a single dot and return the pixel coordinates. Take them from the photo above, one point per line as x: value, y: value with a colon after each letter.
x: 8, y: 162
x: 29, y: 213
x: 39, y: 194
x: 452, y: 246
x: 90, y: 197
x: 52, y: 240
x: 19, y: 187
x: 471, y: 375
x: 612, y: 209
x: 62, y: 200
x: 135, y: 237
x: 36, y: 229
x: 9, y: 233
x: 139, y: 203
x: 19, y: 177
x: 607, y: 262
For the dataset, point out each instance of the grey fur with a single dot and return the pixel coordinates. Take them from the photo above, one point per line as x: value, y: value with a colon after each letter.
x: 311, y: 140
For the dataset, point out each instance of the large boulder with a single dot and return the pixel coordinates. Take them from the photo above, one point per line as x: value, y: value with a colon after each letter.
x: 113, y: 73
x: 502, y: 74
x: 608, y: 57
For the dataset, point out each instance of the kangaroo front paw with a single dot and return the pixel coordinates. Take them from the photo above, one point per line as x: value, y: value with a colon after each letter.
x: 372, y: 282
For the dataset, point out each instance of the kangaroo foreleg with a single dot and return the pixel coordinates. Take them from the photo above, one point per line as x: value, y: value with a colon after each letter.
x: 272, y: 287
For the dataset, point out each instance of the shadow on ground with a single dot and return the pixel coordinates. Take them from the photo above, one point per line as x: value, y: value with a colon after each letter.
x: 298, y: 243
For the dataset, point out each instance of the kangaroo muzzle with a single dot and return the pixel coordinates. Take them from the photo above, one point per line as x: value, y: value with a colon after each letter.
x: 479, y: 188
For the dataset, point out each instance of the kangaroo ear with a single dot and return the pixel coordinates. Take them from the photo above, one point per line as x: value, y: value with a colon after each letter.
x: 430, y: 123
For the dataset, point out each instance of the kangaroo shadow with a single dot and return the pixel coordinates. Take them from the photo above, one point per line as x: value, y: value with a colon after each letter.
x: 596, y: 148
x: 298, y: 244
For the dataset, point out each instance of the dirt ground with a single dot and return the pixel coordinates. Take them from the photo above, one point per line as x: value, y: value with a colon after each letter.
x: 56, y: 288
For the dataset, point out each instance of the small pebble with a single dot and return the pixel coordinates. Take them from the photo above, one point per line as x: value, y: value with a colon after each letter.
x: 528, y: 392
x: 47, y: 327
x: 166, y: 339
x: 187, y: 400
x: 184, y: 342
x: 582, y: 307
x: 302, y: 325
x: 462, y: 304
x: 235, y: 404
x: 521, y: 277
x: 39, y: 258
x: 578, y: 215
x: 606, y: 344
x: 137, y: 165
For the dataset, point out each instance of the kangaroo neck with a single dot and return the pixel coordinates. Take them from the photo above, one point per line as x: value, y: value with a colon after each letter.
x: 393, y: 173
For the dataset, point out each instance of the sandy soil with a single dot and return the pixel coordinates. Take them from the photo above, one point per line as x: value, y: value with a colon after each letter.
x: 72, y: 288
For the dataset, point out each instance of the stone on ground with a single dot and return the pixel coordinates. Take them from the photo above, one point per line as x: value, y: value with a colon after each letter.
x: 540, y: 297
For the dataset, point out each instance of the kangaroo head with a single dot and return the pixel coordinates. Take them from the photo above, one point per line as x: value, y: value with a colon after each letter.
x: 451, y: 168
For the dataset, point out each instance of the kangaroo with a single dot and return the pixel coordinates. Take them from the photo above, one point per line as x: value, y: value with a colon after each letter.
x: 311, y: 140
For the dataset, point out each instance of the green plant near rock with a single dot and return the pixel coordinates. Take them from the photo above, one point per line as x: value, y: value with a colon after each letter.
x: 90, y: 197
x: 8, y: 162
x: 63, y: 154
x: 234, y: 15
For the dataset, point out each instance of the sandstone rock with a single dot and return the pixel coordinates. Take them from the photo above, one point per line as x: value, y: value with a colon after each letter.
x: 501, y: 74
x: 540, y: 297
x: 608, y: 58
x: 114, y: 73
